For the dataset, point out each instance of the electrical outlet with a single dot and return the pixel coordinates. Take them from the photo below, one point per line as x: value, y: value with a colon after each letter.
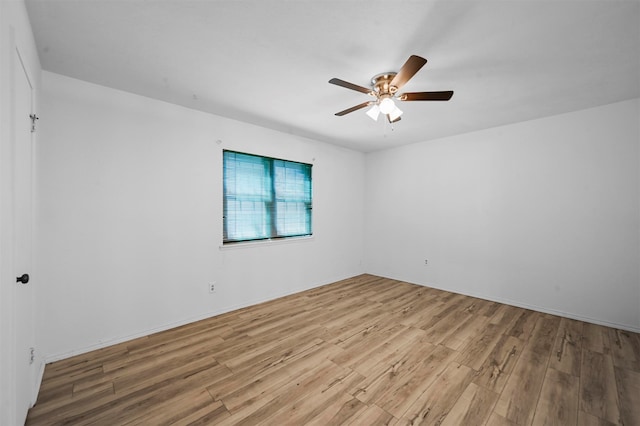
x: 426, y: 261
x: 212, y: 287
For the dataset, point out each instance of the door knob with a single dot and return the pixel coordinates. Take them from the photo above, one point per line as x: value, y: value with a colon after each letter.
x: 23, y: 279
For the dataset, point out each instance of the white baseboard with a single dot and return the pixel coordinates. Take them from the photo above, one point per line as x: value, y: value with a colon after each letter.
x: 109, y: 342
x: 542, y: 309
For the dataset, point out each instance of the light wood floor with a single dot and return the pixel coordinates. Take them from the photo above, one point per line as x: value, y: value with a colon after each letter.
x: 362, y: 351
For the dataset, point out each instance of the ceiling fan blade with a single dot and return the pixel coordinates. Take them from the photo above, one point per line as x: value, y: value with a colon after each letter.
x: 427, y: 96
x: 351, y: 86
x: 354, y: 108
x: 408, y: 70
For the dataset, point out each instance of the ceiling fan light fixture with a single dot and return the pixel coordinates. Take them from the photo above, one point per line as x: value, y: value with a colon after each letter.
x: 395, y: 114
x: 374, y: 112
x: 387, y: 106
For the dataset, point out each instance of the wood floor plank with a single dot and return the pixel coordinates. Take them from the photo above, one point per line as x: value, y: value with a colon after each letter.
x: 596, y: 338
x: 55, y: 395
x: 598, y: 393
x: 191, y: 405
x: 497, y: 420
x: 280, y: 346
x: 84, y: 361
x: 488, y: 308
x: 498, y: 365
x: 141, y: 382
x: 479, y: 348
x: 447, y: 326
x: 391, y: 351
x: 98, y: 388
x: 362, y: 351
x: 244, y: 346
x: 165, y: 341
x: 524, y: 325
x: 356, y: 353
x: 625, y: 349
x: 585, y: 419
x: 388, y: 294
x: 520, y: 394
x: 263, y: 406
x: 421, y: 310
x: 505, y: 315
x: 386, y: 379
x: 449, y: 307
x: 210, y: 415
x: 473, y: 408
x: 372, y: 415
x: 272, y: 373
x: 435, y: 403
x: 628, y: 384
x: 567, y: 351
x: 148, y: 364
x: 559, y: 399
x: 118, y: 409
x: 245, y: 390
x: 402, y: 395
x: 58, y: 386
x: 344, y: 408
x: 355, y: 320
x: 304, y: 410
x: 465, y: 332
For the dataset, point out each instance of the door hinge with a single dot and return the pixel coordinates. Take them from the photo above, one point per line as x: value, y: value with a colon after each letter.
x: 33, y: 118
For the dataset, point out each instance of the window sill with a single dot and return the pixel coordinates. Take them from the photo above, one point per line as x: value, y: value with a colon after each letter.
x: 264, y: 243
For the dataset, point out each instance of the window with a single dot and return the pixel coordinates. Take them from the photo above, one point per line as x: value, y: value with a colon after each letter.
x: 265, y: 198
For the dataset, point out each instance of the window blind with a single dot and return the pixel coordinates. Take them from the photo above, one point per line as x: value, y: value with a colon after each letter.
x: 265, y: 198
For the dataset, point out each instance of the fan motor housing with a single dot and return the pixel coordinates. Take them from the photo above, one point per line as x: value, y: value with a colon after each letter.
x: 381, y: 83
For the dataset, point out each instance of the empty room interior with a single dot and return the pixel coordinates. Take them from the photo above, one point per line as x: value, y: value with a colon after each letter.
x: 287, y: 213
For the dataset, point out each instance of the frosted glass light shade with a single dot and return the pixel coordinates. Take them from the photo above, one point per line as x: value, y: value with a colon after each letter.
x: 395, y: 114
x: 373, y: 112
x: 387, y: 105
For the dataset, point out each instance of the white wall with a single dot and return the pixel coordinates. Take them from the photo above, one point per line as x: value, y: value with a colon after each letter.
x: 130, y: 214
x: 15, y: 33
x: 541, y: 214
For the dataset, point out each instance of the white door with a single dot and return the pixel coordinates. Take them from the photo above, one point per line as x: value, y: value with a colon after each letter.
x: 24, y: 310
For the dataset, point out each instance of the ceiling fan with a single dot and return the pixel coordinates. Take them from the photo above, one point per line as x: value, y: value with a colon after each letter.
x: 384, y: 88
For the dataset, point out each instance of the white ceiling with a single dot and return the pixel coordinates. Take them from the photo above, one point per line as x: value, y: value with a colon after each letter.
x: 268, y: 62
